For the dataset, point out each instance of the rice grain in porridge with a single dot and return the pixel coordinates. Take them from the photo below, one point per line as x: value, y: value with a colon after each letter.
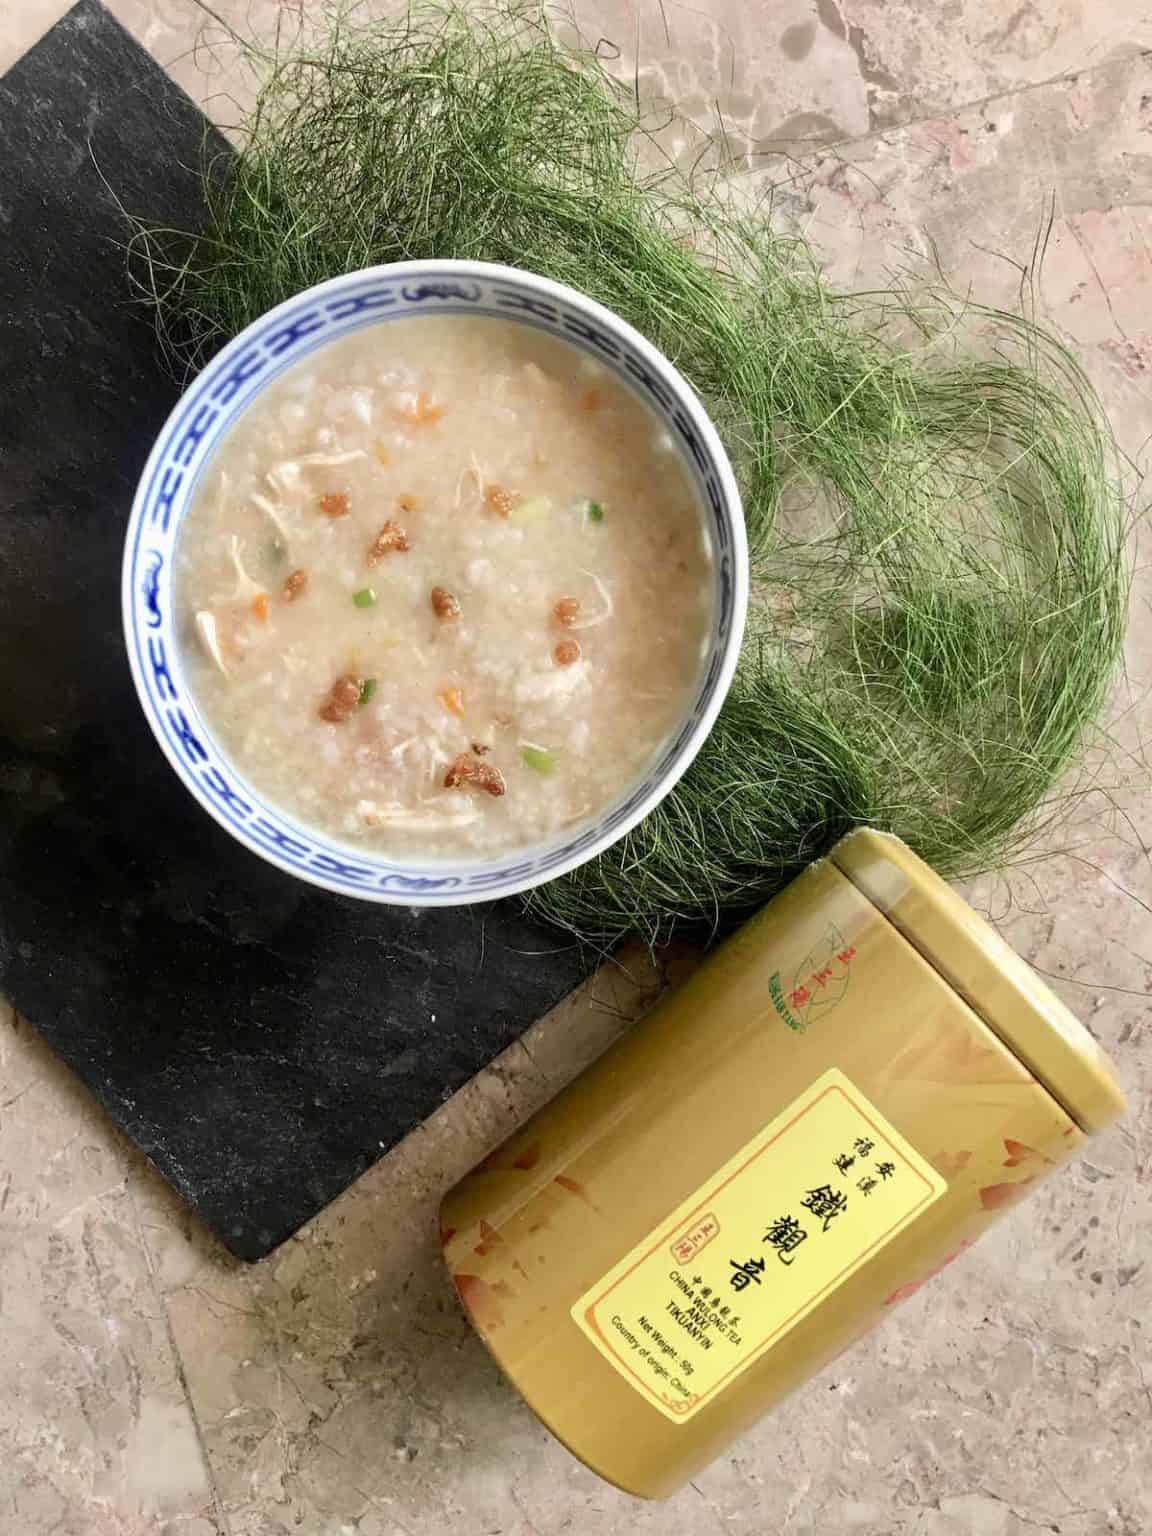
x: 445, y: 587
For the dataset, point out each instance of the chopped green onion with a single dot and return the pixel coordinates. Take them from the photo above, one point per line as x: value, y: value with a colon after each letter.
x: 365, y: 598
x: 367, y: 689
x: 538, y: 758
x: 530, y: 510
x: 595, y: 511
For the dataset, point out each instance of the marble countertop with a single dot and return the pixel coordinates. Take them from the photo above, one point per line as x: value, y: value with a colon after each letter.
x: 150, y: 1385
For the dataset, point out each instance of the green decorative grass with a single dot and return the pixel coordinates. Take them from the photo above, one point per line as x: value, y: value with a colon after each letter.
x: 938, y: 533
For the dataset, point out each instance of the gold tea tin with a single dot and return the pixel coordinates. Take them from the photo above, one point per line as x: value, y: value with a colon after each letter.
x: 842, y: 1098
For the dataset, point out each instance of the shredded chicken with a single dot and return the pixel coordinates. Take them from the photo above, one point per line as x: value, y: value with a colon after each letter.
x: 246, y: 588
x: 606, y: 612
x: 209, y: 638
x: 554, y: 683
x: 286, y: 479
x: 471, y: 472
x: 262, y: 504
x: 287, y: 476
x: 374, y: 814
x: 362, y: 405
x: 330, y: 460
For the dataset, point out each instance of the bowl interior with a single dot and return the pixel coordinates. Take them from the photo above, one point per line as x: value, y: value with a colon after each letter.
x: 189, y: 439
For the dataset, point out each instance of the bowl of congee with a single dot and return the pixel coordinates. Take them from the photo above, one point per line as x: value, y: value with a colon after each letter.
x: 434, y: 582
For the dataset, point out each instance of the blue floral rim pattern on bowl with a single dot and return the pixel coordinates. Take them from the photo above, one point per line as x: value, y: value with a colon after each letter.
x: 188, y: 441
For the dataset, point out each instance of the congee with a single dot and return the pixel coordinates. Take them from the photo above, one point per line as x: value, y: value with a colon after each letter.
x: 445, y: 588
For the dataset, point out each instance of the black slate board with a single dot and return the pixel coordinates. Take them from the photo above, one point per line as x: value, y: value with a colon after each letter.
x: 262, y: 1041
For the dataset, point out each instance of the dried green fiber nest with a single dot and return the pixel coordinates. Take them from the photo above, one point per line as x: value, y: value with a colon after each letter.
x: 940, y: 582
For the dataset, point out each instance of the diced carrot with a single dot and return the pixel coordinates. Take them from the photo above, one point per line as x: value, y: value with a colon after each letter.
x: 335, y: 504
x: 566, y: 611
x: 260, y: 607
x: 566, y: 652
x: 591, y: 400
x: 453, y: 701
x: 422, y: 411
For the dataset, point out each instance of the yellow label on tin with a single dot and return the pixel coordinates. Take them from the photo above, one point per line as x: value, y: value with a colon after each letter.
x: 797, y: 1210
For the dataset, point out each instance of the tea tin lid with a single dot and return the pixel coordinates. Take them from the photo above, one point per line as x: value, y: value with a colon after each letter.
x: 996, y: 983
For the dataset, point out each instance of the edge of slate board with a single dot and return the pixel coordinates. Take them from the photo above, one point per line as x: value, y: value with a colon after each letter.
x: 263, y: 1042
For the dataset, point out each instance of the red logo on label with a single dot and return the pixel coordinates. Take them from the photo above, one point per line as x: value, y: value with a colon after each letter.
x: 698, y: 1236
x: 820, y: 982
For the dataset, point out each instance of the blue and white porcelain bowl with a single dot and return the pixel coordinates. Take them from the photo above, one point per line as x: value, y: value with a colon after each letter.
x: 226, y: 387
